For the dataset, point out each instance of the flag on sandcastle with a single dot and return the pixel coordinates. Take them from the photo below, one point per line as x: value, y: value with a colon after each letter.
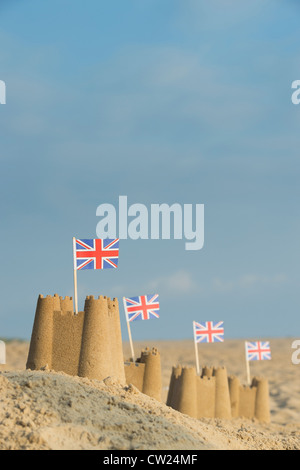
x: 207, y: 332
x: 90, y: 253
x: 256, y: 351
x: 96, y: 253
x: 143, y: 307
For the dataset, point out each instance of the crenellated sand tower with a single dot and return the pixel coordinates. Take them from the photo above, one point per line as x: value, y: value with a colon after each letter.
x: 145, y: 373
x: 262, y: 408
x: 222, y: 397
x: 250, y: 401
x: 200, y: 397
x: 214, y: 395
x: 234, y: 391
x: 88, y: 344
x: 187, y: 392
x: 174, y: 387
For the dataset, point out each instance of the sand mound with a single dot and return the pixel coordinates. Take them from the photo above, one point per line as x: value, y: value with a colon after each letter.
x: 47, y: 410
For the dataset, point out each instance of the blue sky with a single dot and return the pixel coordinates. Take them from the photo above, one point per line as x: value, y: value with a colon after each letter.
x: 163, y: 101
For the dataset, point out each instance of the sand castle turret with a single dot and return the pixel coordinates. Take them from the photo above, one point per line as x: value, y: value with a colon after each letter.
x: 262, y: 408
x: 222, y: 399
x: 234, y: 391
x: 145, y: 373
x: 88, y: 344
x: 247, y: 398
x: 152, y: 374
x: 95, y: 350
x: 174, y: 388
x: 191, y: 394
x: 187, y: 392
x: 40, y: 354
x: 250, y: 401
x: 206, y: 396
x: 215, y: 395
x: 115, y: 332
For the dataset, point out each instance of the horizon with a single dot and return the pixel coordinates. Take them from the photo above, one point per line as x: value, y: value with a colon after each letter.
x: 140, y: 340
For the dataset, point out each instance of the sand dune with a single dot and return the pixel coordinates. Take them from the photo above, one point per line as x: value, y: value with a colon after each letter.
x: 47, y: 410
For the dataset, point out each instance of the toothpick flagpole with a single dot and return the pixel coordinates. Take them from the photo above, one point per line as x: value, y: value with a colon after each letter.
x: 196, y: 350
x: 247, y: 366
x: 75, y: 277
x: 129, y: 330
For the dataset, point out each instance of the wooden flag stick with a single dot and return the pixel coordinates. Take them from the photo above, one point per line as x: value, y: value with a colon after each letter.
x: 247, y: 366
x: 129, y: 331
x: 196, y: 351
x: 75, y: 277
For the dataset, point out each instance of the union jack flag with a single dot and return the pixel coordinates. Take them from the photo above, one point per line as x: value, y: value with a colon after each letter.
x: 143, y: 307
x: 209, y: 332
x: 96, y: 253
x: 258, y: 351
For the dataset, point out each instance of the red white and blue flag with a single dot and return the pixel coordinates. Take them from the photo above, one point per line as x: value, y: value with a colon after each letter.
x: 96, y: 253
x: 143, y: 307
x: 258, y: 351
x: 209, y: 332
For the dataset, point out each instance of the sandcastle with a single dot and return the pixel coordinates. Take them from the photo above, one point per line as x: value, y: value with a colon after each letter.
x: 214, y: 395
x: 145, y: 373
x: 250, y: 402
x: 88, y: 344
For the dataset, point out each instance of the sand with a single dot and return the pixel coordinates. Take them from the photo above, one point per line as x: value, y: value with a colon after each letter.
x: 48, y: 410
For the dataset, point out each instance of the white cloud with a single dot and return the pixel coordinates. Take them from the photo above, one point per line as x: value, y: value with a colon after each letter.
x: 197, y: 15
x: 246, y: 281
x: 180, y: 282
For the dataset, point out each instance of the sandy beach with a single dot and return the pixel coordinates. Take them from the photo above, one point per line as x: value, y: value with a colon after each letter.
x: 49, y: 410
